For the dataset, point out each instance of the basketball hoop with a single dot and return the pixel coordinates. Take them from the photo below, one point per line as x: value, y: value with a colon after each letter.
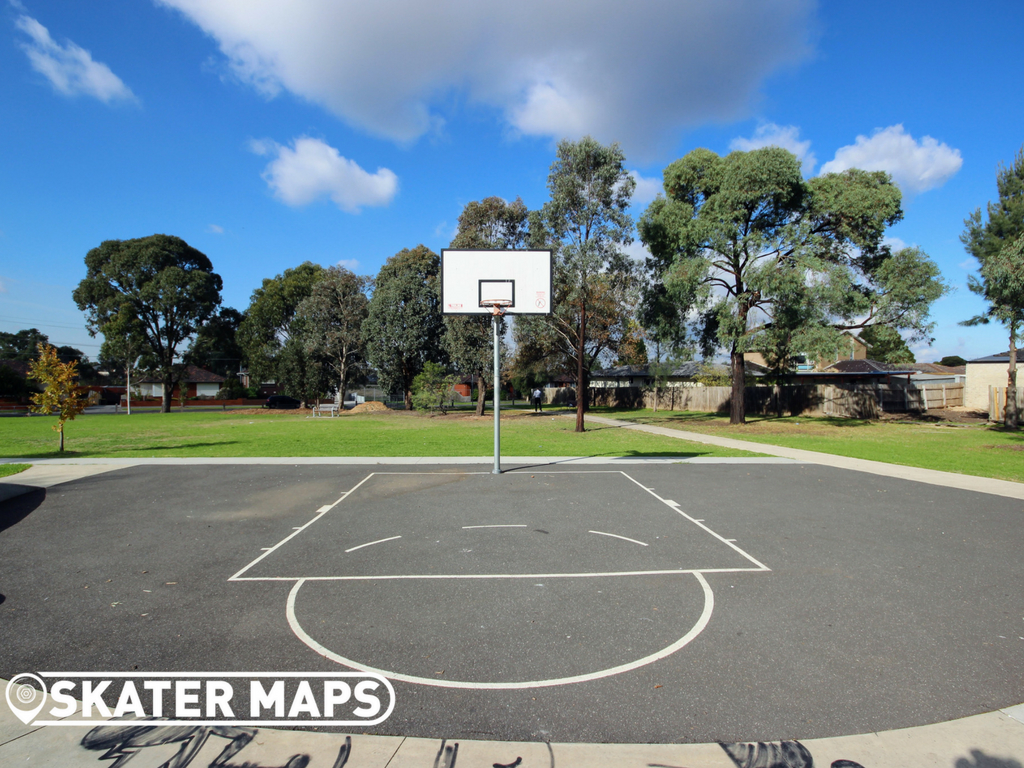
x: 498, y: 306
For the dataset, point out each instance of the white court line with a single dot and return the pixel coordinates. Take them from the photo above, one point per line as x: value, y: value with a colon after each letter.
x: 371, y: 543
x: 514, y: 525
x: 517, y: 471
x: 471, y: 576
x: 393, y: 577
x: 321, y: 512
x: 616, y: 536
x: 696, y: 629
x: 729, y: 543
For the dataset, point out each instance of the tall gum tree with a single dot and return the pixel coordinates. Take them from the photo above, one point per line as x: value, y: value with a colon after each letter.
x: 998, y: 245
x: 587, y: 224
x: 332, y: 317
x: 403, y: 327
x: 766, y: 260
x: 266, y: 328
x: 158, y: 287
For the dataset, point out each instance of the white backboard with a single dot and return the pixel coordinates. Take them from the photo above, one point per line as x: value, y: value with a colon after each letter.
x: 470, y: 277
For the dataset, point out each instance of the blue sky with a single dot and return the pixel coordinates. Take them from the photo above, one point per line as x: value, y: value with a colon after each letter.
x: 268, y: 133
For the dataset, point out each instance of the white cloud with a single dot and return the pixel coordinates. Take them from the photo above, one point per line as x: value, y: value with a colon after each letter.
x: 785, y: 136
x: 637, y: 251
x: 894, y: 243
x: 3, y: 287
x: 214, y: 229
x: 551, y: 69
x: 262, y: 147
x: 70, y: 68
x: 352, y: 265
x: 646, y: 190
x: 916, y: 166
x: 311, y: 169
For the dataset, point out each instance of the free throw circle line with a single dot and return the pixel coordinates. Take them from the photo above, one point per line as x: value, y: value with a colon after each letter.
x: 371, y: 543
x: 616, y: 536
x: 696, y: 629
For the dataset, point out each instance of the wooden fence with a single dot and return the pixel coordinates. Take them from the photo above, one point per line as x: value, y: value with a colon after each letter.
x: 997, y: 397
x: 847, y: 401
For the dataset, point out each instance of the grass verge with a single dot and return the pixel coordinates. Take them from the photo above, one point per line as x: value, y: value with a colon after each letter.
x: 986, y: 451
x: 6, y: 470
x: 395, y: 433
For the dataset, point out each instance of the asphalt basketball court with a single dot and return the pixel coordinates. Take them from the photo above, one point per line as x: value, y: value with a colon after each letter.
x: 645, y: 602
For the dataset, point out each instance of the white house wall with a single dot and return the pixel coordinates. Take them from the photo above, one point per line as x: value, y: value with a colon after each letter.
x: 981, y: 376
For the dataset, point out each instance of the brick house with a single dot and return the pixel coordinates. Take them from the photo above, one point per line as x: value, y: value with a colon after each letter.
x: 198, y: 382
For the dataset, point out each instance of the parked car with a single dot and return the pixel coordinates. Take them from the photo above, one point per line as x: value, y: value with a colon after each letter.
x: 281, y: 401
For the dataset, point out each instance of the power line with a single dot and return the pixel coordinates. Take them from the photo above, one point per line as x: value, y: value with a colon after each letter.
x: 34, y: 323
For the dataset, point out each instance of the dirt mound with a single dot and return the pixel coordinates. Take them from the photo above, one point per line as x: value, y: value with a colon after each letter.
x: 369, y: 405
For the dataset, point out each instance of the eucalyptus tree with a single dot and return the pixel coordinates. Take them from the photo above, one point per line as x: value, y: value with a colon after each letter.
x: 887, y: 345
x: 216, y: 345
x: 157, y: 289
x: 267, y: 326
x: 998, y: 245
x: 766, y: 260
x: 587, y: 225
x: 490, y: 224
x: 332, y: 317
x: 403, y: 326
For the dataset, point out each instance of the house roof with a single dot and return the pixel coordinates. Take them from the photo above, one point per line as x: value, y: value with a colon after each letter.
x: 867, y: 366
x: 193, y: 375
x: 999, y: 357
x: 936, y: 368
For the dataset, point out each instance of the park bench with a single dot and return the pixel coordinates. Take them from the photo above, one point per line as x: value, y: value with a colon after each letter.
x: 325, y: 409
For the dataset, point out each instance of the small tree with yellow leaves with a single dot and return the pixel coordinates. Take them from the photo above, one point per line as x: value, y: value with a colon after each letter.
x: 62, y: 394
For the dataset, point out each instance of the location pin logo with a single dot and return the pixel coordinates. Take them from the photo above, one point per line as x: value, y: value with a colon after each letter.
x: 21, y: 697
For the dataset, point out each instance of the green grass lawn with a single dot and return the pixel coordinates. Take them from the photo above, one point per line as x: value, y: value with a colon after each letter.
x: 987, y: 451
x: 7, y: 470
x: 365, y: 434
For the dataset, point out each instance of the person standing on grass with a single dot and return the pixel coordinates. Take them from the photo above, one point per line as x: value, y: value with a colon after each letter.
x: 536, y: 401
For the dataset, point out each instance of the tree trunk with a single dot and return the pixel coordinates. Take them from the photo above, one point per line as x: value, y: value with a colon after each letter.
x: 408, y: 399
x: 581, y: 392
x: 165, y: 398
x: 1010, y: 416
x: 481, y: 392
x: 61, y: 430
x: 737, y: 408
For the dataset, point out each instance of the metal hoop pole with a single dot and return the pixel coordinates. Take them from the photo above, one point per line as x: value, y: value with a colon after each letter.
x: 497, y: 399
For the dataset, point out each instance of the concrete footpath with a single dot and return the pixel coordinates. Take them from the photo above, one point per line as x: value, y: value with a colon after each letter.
x: 990, y: 740
x: 915, y: 474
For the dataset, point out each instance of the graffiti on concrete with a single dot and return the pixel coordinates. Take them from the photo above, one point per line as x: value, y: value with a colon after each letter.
x: 781, y: 754
x: 121, y: 743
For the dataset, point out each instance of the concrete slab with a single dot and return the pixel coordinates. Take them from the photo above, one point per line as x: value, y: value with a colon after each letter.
x: 1017, y: 713
x: 11, y: 728
x: 916, y: 474
x: 991, y: 740
x: 48, y: 475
